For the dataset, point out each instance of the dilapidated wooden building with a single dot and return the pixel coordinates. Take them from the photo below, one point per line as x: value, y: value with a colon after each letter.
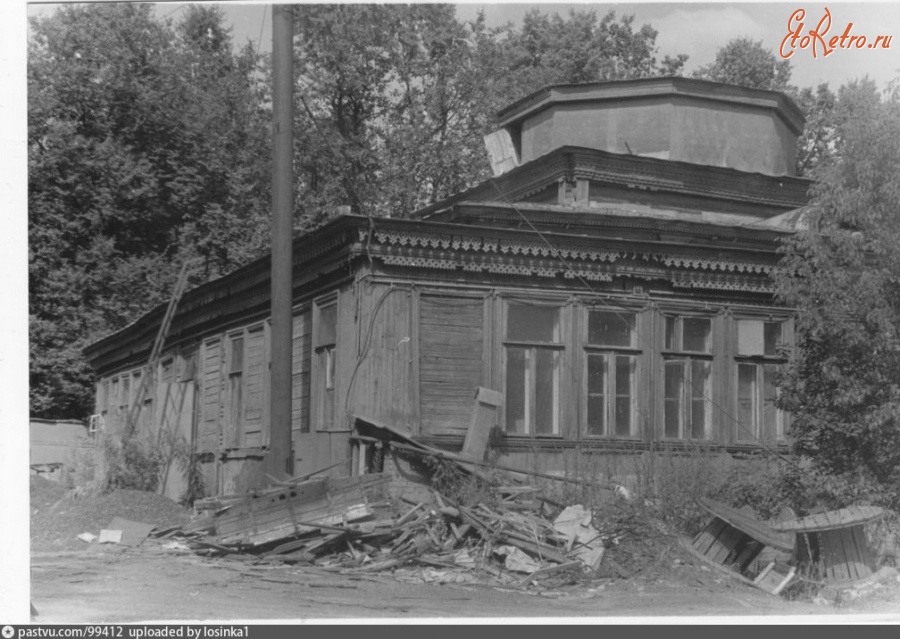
x: 611, y: 283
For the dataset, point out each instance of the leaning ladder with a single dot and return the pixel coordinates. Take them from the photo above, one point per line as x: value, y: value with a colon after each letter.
x: 146, y: 380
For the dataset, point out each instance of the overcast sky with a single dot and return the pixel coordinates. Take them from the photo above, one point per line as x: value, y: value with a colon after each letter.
x: 697, y: 29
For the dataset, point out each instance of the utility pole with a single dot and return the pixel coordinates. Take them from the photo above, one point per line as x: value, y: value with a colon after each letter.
x: 282, y: 239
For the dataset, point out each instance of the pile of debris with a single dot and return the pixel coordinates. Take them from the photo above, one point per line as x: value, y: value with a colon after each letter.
x: 348, y: 525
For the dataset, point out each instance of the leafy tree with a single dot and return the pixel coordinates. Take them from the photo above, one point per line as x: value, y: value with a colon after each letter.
x: 747, y: 63
x: 550, y: 49
x: 817, y: 143
x: 395, y: 99
x: 133, y: 132
x: 842, y: 274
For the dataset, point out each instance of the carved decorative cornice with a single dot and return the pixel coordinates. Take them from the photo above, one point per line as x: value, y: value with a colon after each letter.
x: 469, y: 253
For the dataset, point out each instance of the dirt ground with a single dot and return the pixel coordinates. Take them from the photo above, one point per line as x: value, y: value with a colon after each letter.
x: 149, y: 583
x: 75, y: 582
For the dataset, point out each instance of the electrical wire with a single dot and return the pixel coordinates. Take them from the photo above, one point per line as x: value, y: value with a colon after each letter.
x: 262, y: 24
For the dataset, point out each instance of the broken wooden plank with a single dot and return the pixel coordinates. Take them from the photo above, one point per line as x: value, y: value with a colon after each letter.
x: 299, y: 509
x: 718, y: 567
x: 290, y: 546
x: 773, y: 581
x: 549, y: 570
x: 409, y: 515
x: 214, y: 546
x: 326, y: 517
x: 829, y: 521
x: 536, y: 549
x: 484, y: 417
x: 839, y: 537
x: 749, y: 525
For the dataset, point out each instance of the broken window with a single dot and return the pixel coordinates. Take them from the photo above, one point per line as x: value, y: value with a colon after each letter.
x: 758, y: 363
x: 756, y: 337
x: 611, y: 370
x: 533, y: 359
x: 687, y: 387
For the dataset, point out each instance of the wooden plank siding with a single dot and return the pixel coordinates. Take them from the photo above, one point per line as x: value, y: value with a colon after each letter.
x: 211, y: 402
x: 380, y: 371
x: 451, y: 351
x: 255, y: 394
x: 301, y: 358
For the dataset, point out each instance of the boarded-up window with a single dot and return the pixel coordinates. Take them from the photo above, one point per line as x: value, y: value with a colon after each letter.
x: 254, y: 373
x: 450, y: 367
x: 300, y: 367
x: 236, y: 389
x: 210, y: 402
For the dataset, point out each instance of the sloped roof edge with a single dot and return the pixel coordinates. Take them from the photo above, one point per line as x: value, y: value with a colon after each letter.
x: 543, y: 98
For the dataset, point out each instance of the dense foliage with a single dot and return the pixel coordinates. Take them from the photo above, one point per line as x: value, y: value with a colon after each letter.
x: 146, y: 146
x: 394, y: 100
x: 842, y: 273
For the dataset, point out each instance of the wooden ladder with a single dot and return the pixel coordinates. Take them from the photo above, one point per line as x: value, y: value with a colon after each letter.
x: 146, y: 380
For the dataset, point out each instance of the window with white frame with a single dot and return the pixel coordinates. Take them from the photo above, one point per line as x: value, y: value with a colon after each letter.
x: 688, y: 364
x: 611, y: 364
x: 757, y: 363
x: 533, y: 357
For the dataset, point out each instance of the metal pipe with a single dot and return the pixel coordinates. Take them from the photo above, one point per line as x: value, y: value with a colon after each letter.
x: 280, y: 456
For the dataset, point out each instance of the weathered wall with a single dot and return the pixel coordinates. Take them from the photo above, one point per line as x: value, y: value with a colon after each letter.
x: 639, y: 129
x: 451, y: 352
x: 61, y: 442
x: 744, y: 137
x: 377, y: 379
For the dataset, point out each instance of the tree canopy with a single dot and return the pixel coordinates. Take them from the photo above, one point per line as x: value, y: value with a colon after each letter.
x: 146, y: 146
x: 842, y: 274
x: 748, y: 63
